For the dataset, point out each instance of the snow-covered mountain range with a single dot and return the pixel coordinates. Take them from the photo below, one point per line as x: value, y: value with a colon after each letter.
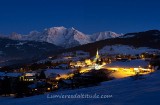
x: 64, y: 37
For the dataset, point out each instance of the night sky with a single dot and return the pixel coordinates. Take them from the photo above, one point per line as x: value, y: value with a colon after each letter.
x: 87, y: 16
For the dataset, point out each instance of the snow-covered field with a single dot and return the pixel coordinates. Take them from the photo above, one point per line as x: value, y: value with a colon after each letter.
x: 126, y: 91
x: 125, y: 49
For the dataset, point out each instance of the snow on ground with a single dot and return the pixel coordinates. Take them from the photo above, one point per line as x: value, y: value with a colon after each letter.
x: 57, y: 71
x: 125, y: 49
x: 126, y: 91
x: 121, y: 74
x: 129, y: 64
x: 10, y: 74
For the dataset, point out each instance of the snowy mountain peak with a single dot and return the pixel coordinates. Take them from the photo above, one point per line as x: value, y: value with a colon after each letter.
x: 72, y: 28
x: 34, y: 32
x: 15, y: 36
x: 57, y: 28
x: 104, y: 35
x: 65, y: 37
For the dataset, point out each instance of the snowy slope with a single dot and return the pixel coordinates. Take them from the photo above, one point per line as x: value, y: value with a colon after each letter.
x: 127, y: 91
x: 65, y: 37
x: 15, y: 36
x: 104, y: 35
x: 60, y: 36
x: 125, y: 49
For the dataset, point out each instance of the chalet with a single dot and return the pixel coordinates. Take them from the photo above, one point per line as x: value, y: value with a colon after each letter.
x: 88, y: 62
x: 72, y: 64
x: 28, y: 76
x: 57, y: 73
x: 80, y: 64
x: 62, y: 66
x: 77, y: 64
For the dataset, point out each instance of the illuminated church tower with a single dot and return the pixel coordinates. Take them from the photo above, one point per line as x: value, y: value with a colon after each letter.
x: 97, y: 61
x: 97, y: 55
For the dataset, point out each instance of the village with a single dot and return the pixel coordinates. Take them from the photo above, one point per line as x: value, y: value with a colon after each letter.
x: 73, y: 70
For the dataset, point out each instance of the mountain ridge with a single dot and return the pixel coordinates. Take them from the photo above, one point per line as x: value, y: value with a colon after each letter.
x: 13, y: 51
x: 150, y: 38
x: 64, y: 37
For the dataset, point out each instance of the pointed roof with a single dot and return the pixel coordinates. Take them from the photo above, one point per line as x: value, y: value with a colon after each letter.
x: 97, y: 54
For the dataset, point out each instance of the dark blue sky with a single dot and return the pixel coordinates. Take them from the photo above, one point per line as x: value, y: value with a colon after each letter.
x: 88, y: 16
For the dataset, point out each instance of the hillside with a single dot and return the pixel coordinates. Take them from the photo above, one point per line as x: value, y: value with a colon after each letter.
x: 149, y: 38
x: 127, y: 91
x: 14, y: 51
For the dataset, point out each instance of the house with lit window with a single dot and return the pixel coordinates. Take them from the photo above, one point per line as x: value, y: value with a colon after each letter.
x: 28, y: 76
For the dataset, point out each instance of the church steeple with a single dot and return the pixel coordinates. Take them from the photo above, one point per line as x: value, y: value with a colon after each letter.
x: 97, y: 54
